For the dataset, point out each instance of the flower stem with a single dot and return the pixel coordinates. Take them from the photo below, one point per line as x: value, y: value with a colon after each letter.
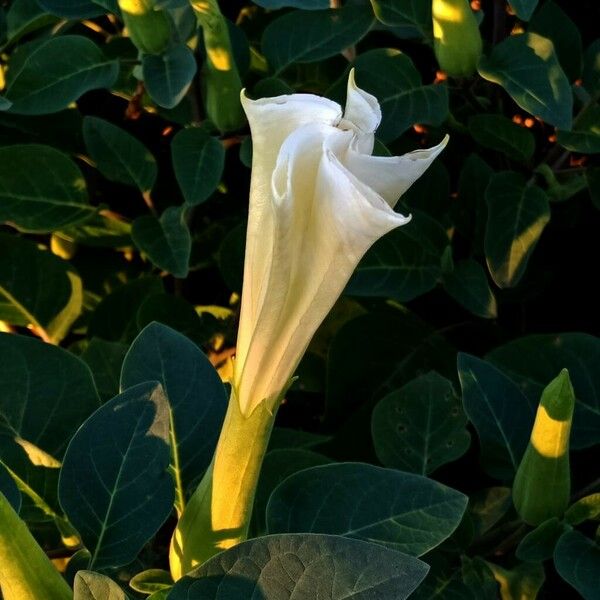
x: 217, y: 516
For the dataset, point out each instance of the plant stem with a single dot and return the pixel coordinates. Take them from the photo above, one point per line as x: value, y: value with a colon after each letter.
x: 217, y: 515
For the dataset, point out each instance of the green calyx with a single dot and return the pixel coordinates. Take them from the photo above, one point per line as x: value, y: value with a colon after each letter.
x: 542, y: 484
x: 149, y: 29
x: 456, y: 38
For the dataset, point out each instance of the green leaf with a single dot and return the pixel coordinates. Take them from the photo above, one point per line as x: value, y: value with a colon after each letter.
x: 25, y: 16
x: 399, y: 510
x: 538, y: 545
x: 526, y: 66
x: 166, y: 241
x: 98, y: 231
x: 591, y: 68
x: 429, y: 194
x: 168, y: 76
x: 497, y: 132
x: 115, y: 317
x: 198, y: 161
x: 468, y: 285
x: 585, y: 135
x: 420, y: 427
x: 487, y: 507
x: 303, y: 566
x: 523, y: 8
x: 118, y: 155
x: 522, y: 581
x: 37, y: 288
x: 94, y: 586
x: 114, y: 483
x: 546, y: 356
x: 277, y: 465
x: 75, y: 9
x: 393, y: 79
x: 41, y: 189
x: 9, y: 488
x: 286, y: 438
x: 197, y: 398
x: 500, y: 413
x: 104, y: 360
x: 151, y: 580
x: 404, y: 264
x: 304, y: 4
x: 309, y: 36
x: 553, y: 23
x: 586, y: 508
x: 398, y: 13
x: 577, y: 560
x: 45, y: 392
x: 517, y: 216
x: 46, y: 76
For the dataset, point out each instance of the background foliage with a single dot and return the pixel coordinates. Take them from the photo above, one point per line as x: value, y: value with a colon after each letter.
x: 123, y: 198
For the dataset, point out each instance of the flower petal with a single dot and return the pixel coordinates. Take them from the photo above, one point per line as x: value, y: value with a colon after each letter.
x: 391, y: 176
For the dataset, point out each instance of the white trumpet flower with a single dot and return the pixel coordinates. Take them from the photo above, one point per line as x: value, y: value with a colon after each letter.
x: 318, y: 201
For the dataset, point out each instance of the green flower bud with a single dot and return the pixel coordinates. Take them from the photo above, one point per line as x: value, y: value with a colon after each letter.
x: 456, y: 38
x: 542, y: 485
x: 149, y: 29
x: 26, y: 573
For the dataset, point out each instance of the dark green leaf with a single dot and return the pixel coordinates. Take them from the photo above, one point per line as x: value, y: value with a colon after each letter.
x: 41, y: 189
x: 231, y: 257
x: 585, y: 135
x: 168, y: 76
x: 526, y: 66
x: 198, y: 161
x: 500, y: 133
x: 118, y: 155
x: 151, y: 580
x: 37, y: 288
x: 25, y: 16
x: 166, y: 241
x: 115, y: 317
x: 94, y: 586
x: 538, y: 545
x: 9, y: 488
x: 45, y: 392
x: 586, y: 508
x: 392, y: 78
x: 517, y: 216
x: 577, y: 560
x: 404, y: 264
x: 522, y: 581
x: 468, y: 285
x: 279, y: 567
x: 546, y: 356
x: 501, y: 414
x: 104, y: 360
x: 553, y: 23
x: 487, y: 507
x: 197, y: 398
x: 404, y: 12
x: 524, y: 8
x: 430, y: 193
x: 277, y: 465
x: 46, y: 76
x: 304, y: 4
x: 309, y: 36
x: 285, y: 438
x: 114, y: 483
x: 421, y: 426
x: 591, y: 68
x: 98, y: 231
x: 403, y: 511
x: 75, y: 9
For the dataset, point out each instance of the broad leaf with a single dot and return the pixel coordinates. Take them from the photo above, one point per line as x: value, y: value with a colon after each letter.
x: 421, y: 426
x: 469, y: 286
x: 114, y: 483
x: 591, y: 67
x: 197, y: 398
x: 118, y: 155
x: 546, y: 356
x: 309, y: 36
x: 577, y: 560
x: 9, y: 488
x: 517, y: 216
x: 585, y: 508
x: 304, y: 4
x: 526, y: 66
x: 500, y: 413
x: 168, y: 76
x: 151, y: 581
x: 46, y: 76
x: 538, y: 545
x: 166, y: 241
x: 585, y: 135
x: 75, y: 9
x: 104, y: 360
x: 41, y: 189
x: 25, y: 16
x: 37, y: 288
x: 522, y: 581
x: 198, y: 161
x: 415, y: 13
x: 524, y: 8
x: 94, y: 586
x: 500, y: 133
x: 399, y: 510
x: 279, y: 567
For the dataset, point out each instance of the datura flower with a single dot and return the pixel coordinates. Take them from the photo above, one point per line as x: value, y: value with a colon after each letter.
x: 318, y: 201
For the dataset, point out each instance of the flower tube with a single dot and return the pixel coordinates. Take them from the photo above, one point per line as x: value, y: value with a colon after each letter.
x: 318, y: 201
